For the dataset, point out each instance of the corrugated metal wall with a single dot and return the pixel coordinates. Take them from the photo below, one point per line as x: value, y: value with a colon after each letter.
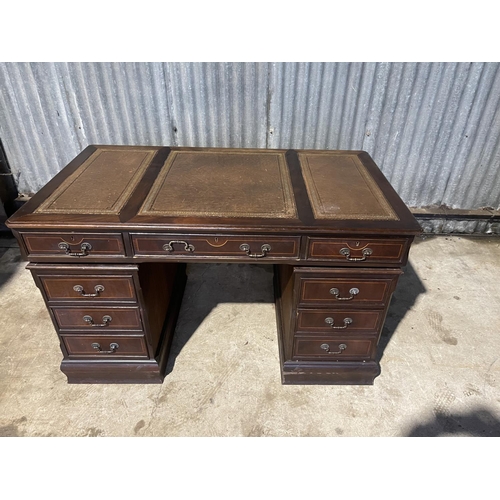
x: 433, y: 128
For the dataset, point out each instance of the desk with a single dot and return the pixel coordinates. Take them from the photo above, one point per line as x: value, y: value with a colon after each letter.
x: 109, y: 237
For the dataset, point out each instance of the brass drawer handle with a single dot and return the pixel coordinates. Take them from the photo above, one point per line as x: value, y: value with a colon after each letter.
x: 326, y: 347
x: 105, y: 321
x: 84, y: 247
x: 347, y: 253
x: 187, y: 247
x: 336, y: 293
x: 331, y: 322
x: 113, y: 346
x: 98, y: 289
x: 245, y: 247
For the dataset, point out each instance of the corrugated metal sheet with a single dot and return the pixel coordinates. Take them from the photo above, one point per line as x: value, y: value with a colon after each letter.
x: 433, y: 128
x: 454, y: 226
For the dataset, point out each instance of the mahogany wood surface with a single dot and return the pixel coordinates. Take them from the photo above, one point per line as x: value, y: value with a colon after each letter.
x: 82, y: 345
x: 81, y: 287
x: 122, y: 318
x: 313, y: 321
x: 109, y: 236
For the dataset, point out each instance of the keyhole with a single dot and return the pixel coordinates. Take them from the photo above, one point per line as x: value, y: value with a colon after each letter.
x: 357, y: 243
x: 216, y: 239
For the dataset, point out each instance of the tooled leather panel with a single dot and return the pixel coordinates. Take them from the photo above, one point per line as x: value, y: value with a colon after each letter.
x: 102, y: 184
x: 215, y: 183
x: 340, y: 187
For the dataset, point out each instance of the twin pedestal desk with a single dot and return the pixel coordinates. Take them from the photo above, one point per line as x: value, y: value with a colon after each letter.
x: 109, y: 237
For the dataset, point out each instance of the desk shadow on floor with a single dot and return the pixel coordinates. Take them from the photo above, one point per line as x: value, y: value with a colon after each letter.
x: 10, y: 258
x: 209, y: 285
x: 479, y: 422
x: 408, y: 289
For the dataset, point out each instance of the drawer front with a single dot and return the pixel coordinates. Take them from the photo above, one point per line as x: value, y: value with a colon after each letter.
x: 334, y: 349
x: 210, y: 246
x: 105, y: 346
x: 94, y: 318
x: 72, y: 245
x: 339, y: 322
x: 342, y: 291
x: 359, y: 252
x: 78, y: 288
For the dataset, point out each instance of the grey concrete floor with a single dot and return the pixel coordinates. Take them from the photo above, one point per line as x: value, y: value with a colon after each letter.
x: 440, y: 369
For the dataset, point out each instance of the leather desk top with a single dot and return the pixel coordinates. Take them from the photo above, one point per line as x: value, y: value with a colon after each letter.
x: 142, y: 187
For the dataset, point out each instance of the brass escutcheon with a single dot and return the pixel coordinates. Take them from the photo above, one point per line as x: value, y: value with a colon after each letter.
x: 113, y: 347
x: 187, y: 247
x: 336, y: 292
x: 326, y: 347
x: 105, y: 321
x: 84, y: 247
x: 98, y: 289
x: 347, y: 253
x: 330, y: 321
x: 245, y: 247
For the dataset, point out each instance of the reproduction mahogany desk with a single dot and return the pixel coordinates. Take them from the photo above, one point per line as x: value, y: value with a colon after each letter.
x: 108, y: 239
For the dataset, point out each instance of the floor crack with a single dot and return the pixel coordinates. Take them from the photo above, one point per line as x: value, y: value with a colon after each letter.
x: 154, y: 408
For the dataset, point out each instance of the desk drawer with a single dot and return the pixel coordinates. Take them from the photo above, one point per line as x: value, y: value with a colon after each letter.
x: 105, y: 346
x: 73, y: 245
x: 335, y: 288
x: 334, y: 348
x: 210, y: 246
x: 80, y: 288
x: 358, y: 251
x: 98, y: 318
x: 339, y: 322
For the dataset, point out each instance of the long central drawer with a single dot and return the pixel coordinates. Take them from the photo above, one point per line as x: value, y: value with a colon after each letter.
x: 212, y: 246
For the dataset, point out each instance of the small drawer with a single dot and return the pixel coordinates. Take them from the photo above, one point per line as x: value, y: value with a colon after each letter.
x: 105, y: 346
x: 95, y: 318
x: 339, y: 321
x: 72, y: 245
x: 213, y: 246
x: 359, y: 252
x: 334, y: 349
x: 334, y: 289
x: 80, y: 288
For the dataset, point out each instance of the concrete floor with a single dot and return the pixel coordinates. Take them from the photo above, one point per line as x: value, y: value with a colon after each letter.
x: 440, y: 369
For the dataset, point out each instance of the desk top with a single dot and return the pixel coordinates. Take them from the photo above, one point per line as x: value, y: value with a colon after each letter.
x: 268, y: 190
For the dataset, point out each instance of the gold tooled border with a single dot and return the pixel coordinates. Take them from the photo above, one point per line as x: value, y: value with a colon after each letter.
x: 289, y: 212
x: 318, y: 206
x: 44, y: 207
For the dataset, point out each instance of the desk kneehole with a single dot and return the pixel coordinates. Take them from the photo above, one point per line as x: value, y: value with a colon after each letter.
x: 172, y: 246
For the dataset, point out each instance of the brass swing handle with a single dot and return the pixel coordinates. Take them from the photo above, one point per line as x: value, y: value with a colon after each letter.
x: 336, y: 293
x: 331, y: 322
x: 113, y: 346
x: 105, y: 321
x: 326, y: 347
x: 245, y: 247
x: 187, y: 247
x: 84, y: 247
x: 98, y: 289
x: 347, y: 253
